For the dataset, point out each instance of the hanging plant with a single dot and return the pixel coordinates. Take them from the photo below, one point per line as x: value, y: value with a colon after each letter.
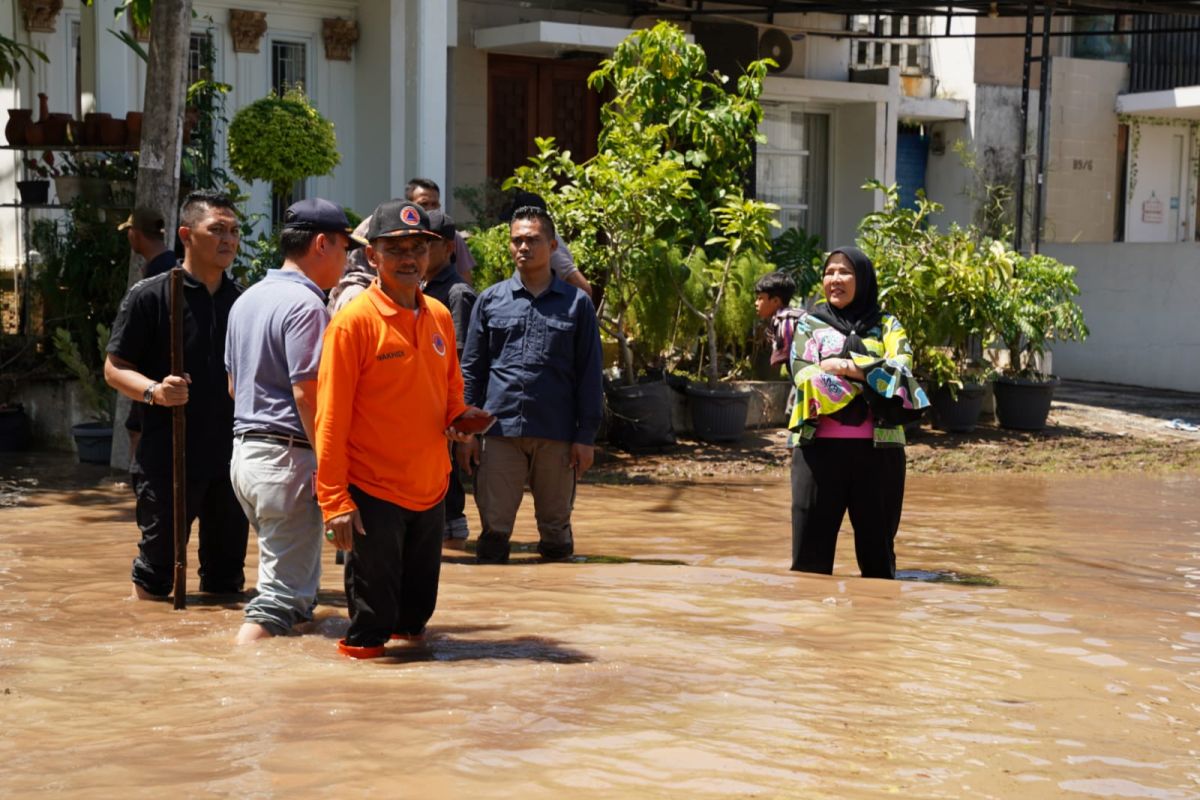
x: 281, y: 139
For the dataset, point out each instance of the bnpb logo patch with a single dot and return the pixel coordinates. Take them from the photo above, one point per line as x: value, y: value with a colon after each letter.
x: 439, y: 344
x: 409, y: 216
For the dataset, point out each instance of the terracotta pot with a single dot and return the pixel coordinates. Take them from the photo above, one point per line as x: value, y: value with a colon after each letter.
x: 43, y: 107
x: 34, y: 135
x: 55, y: 128
x: 91, y: 125
x: 112, y: 132
x: 18, y: 120
x: 133, y: 128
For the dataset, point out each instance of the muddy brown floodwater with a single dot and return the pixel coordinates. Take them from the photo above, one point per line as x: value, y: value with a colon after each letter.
x: 1061, y: 659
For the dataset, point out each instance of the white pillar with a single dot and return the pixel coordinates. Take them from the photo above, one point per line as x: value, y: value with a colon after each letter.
x: 426, y: 88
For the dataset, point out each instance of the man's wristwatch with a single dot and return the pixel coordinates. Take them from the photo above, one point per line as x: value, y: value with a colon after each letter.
x: 148, y: 395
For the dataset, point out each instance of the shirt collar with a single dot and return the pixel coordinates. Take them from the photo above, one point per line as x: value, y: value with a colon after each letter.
x: 515, y: 285
x: 445, y: 275
x: 385, y: 305
x: 295, y: 277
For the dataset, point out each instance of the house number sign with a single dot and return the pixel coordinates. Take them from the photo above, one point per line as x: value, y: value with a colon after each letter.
x: 1152, y: 211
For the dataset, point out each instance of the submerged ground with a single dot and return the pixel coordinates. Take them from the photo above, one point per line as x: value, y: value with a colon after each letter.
x: 1045, y: 642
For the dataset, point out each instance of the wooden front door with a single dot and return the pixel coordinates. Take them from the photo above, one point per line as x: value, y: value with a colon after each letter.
x: 531, y: 97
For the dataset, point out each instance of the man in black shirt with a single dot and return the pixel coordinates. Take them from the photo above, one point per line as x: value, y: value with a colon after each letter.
x: 145, y: 230
x: 444, y: 284
x: 138, y: 366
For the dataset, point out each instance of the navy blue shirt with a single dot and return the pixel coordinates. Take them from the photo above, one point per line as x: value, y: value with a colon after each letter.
x: 534, y: 362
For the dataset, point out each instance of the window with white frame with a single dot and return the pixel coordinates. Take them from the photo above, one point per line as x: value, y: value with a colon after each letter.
x: 793, y: 169
x: 891, y: 49
x: 199, y: 52
x: 289, y: 69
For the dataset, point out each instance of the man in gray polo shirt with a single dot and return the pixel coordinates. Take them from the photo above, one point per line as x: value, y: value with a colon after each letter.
x: 272, y: 351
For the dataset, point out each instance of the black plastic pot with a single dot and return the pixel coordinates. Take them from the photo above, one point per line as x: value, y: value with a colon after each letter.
x: 958, y: 415
x: 93, y: 441
x: 34, y: 193
x: 718, y: 414
x: 14, y: 428
x: 640, y: 416
x: 1023, y: 404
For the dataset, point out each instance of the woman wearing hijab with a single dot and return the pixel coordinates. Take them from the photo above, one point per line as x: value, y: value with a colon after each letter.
x: 851, y: 364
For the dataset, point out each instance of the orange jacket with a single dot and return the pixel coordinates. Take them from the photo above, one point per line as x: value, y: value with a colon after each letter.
x: 388, y: 386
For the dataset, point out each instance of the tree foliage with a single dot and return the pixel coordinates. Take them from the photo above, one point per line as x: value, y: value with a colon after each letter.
x: 673, y: 152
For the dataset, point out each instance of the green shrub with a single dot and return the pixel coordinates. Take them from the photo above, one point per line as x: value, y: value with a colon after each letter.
x: 281, y: 140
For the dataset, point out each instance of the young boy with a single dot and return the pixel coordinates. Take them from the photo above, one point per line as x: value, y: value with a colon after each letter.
x: 444, y: 284
x: 772, y: 300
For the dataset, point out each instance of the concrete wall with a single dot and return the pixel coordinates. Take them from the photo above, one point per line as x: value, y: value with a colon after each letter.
x: 1082, y: 156
x: 999, y: 61
x: 1139, y: 301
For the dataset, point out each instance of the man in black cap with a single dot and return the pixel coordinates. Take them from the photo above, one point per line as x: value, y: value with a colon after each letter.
x: 145, y: 230
x: 272, y: 350
x: 444, y: 284
x: 139, y: 367
x: 390, y: 394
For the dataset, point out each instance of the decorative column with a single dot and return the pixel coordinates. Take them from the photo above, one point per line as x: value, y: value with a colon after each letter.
x: 40, y: 15
x: 247, y: 29
x: 340, y: 36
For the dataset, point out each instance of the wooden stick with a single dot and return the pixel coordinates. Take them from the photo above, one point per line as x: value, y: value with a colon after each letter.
x: 178, y: 431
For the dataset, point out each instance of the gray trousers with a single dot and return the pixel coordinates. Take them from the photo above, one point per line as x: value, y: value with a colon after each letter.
x: 273, y: 483
x: 506, y: 464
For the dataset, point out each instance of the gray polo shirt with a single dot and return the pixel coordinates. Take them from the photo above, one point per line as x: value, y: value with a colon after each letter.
x: 273, y: 342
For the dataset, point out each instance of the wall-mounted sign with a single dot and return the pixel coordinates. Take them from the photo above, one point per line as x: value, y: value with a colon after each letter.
x: 1152, y: 211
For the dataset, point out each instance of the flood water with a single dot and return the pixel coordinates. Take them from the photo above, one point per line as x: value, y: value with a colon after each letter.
x: 1064, y: 662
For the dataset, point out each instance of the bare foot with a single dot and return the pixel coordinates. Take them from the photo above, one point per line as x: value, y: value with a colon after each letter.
x: 250, y: 632
x: 141, y: 594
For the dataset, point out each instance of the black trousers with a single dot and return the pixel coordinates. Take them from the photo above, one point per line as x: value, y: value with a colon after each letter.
x: 392, y: 572
x: 456, y: 498
x: 223, y: 532
x: 833, y: 476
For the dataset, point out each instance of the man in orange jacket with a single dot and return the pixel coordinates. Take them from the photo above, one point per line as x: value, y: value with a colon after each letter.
x: 389, y: 391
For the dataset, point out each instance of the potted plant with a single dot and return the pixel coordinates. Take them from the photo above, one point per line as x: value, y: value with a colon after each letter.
x: 719, y: 411
x: 1034, y: 307
x: 93, y: 439
x: 82, y: 178
x: 941, y: 286
x: 35, y: 189
x: 281, y: 139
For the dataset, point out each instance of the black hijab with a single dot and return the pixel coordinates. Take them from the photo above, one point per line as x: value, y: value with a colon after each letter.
x: 862, y: 313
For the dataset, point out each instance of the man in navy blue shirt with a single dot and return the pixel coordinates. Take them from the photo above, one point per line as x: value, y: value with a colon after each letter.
x: 532, y: 359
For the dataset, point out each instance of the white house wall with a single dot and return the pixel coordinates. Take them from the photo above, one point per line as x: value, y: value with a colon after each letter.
x: 1139, y: 301
x: 952, y: 63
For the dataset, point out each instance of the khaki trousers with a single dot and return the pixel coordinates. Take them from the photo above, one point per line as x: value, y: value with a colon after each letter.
x: 506, y: 464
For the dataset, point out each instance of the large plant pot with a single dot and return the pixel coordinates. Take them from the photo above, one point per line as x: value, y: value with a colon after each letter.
x: 34, y: 192
x: 1023, y: 404
x: 18, y: 120
x: 70, y: 188
x: 14, y: 428
x: 641, y: 416
x: 718, y: 414
x: 93, y: 441
x: 958, y: 415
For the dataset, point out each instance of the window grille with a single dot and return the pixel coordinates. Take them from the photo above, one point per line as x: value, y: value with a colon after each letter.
x: 910, y: 55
